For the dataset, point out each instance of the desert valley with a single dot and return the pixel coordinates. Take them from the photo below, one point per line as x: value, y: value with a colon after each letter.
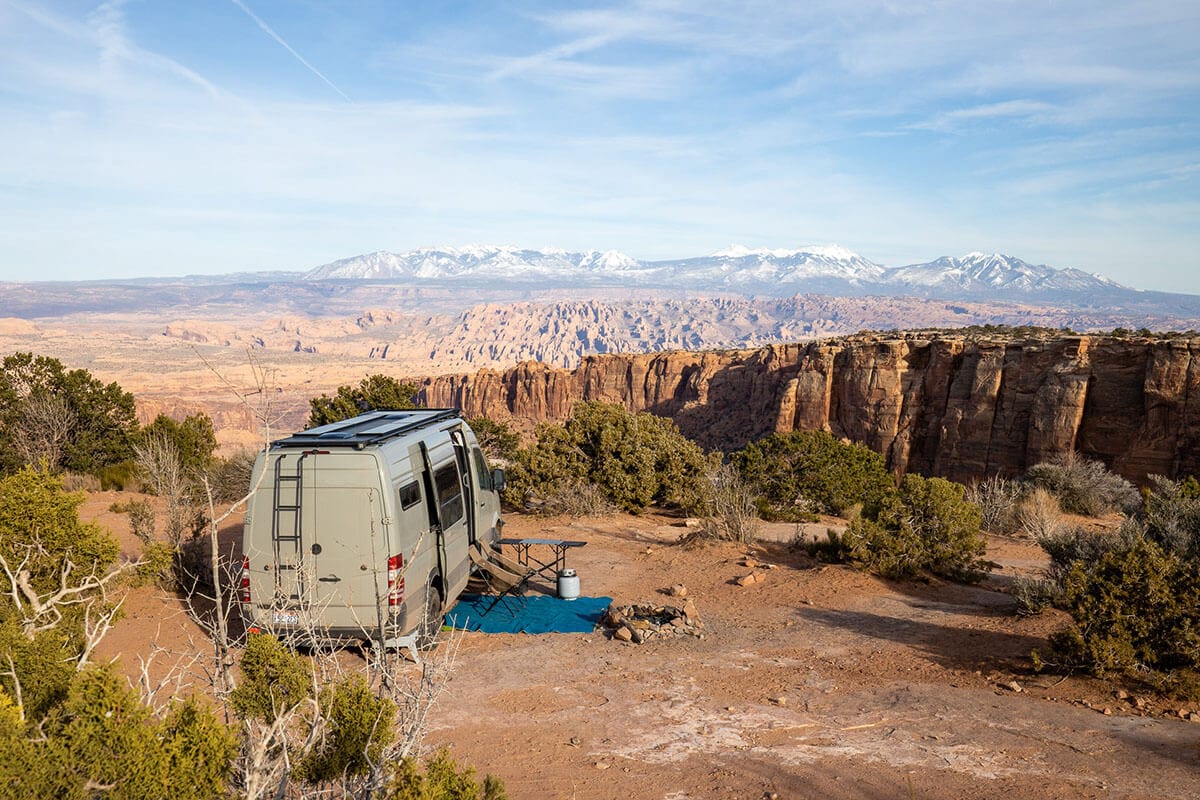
x: 804, y: 677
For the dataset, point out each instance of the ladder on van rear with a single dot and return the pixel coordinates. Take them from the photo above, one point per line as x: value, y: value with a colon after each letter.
x: 286, y: 533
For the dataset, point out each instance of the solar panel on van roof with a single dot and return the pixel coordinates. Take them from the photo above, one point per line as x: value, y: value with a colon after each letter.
x: 369, y: 428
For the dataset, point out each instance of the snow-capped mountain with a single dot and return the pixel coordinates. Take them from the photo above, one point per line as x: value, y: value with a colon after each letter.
x: 736, y: 267
x: 494, y: 263
x: 980, y: 272
x: 823, y: 269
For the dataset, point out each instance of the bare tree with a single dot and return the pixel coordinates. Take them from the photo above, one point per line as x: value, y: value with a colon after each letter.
x: 42, y: 610
x: 732, y: 513
x: 44, y: 423
x: 161, y: 466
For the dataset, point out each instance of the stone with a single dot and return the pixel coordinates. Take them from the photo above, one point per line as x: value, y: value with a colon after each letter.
x: 747, y: 580
x: 678, y: 590
x: 948, y: 406
x: 689, y: 611
x: 1121, y: 694
x: 623, y: 634
x: 749, y: 562
x: 1014, y: 686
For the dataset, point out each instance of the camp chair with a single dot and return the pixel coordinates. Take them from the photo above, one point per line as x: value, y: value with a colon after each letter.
x: 503, y: 576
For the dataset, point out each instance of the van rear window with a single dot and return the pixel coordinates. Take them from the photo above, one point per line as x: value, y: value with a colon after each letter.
x: 410, y: 495
x: 449, y: 492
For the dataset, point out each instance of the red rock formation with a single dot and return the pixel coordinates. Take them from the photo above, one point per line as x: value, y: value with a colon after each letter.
x: 958, y: 407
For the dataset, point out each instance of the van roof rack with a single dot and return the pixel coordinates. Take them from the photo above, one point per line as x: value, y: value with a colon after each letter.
x: 368, y: 429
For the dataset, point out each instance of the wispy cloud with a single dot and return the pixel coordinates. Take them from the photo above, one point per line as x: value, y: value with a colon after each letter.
x: 660, y: 127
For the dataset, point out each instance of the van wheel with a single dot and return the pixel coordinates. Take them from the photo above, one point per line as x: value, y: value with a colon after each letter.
x: 431, y: 620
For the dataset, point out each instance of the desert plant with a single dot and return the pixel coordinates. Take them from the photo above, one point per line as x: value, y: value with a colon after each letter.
x: 731, y: 512
x: 1172, y: 516
x: 1039, y: 515
x: 832, y: 548
x: 193, y: 440
x: 802, y: 470
x: 442, y: 779
x: 1134, y: 608
x: 1072, y: 545
x: 373, y: 393
x: 229, y: 476
x: 164, y: 471
x: 48, y: 411
x: 1084, y: 486
x: 998, y: 499
x: 636, y: 460
x: 573, y: 497
x: 497, y: 438
x: 1034, y: 595
x: 927, y: 526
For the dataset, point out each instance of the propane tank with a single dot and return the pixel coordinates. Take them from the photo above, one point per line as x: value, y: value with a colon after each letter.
x: 568, y: 584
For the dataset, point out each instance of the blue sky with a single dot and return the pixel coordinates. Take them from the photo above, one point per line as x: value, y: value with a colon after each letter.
x: 166, y: 138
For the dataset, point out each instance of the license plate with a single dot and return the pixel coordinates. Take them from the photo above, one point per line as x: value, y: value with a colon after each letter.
x: 287, y: 617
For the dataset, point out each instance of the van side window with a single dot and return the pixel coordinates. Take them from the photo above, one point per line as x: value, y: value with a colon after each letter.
x: 449, y: 492
x: 483, y: 475
x: 410, y: 495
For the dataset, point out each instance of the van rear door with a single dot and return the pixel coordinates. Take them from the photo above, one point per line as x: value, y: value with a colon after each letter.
x: 330, y: 538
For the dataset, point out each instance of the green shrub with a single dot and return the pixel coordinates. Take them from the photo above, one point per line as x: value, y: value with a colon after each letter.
x: 101, y: 417
x: 100, y: 735
x: 1035, y: 595
x: 1083, y: 486
x: 442, y: 779
x: 1135, y: 608
x: 39, y: 520
x: 798, y: 472
x: 274, y: 680
x: 373, y: 393
x: 118, y: 477
x: 927, y: 526
x: 636, y: 460
x: 497, y: 438
x: 1172, y: 516
x: 359, y: 727
x: 158, y: 565
x: 194, y: 439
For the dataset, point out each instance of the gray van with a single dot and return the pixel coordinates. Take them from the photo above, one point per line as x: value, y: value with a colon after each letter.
x: 363, y: 529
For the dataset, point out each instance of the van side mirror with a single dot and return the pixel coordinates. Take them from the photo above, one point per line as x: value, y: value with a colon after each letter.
x: 498, y: 479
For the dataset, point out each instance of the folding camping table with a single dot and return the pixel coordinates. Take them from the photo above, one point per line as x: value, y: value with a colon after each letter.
x: 548, y: 566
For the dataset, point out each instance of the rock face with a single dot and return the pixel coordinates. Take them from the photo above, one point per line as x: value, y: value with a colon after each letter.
x: 957, y: 407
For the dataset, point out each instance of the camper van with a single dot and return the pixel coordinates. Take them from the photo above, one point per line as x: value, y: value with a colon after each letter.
x: 364, y: 529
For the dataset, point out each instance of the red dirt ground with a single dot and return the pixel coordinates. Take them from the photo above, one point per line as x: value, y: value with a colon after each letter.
x: 817, y: 682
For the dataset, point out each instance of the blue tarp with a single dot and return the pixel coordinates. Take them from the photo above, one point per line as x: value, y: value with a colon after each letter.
x: 539, y: 613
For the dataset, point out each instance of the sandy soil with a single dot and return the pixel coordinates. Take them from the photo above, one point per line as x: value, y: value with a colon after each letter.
x: 817, y: 682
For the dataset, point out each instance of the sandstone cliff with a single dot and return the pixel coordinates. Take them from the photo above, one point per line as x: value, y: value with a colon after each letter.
x: 939, y: 405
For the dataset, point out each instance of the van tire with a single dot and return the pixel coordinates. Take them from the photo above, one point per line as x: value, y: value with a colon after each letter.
x: 432, y: 617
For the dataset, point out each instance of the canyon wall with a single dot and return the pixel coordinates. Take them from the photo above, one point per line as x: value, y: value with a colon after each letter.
x: 963, y: 408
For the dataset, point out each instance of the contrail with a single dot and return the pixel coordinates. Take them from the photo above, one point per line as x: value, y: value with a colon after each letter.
x: 267, y: 28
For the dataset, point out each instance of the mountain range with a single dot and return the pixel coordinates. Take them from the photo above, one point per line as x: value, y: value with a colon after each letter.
x: 831, y: 269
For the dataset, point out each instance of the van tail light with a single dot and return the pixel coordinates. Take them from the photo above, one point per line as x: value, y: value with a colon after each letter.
x: 395, y: 580
x: 244, y: 588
